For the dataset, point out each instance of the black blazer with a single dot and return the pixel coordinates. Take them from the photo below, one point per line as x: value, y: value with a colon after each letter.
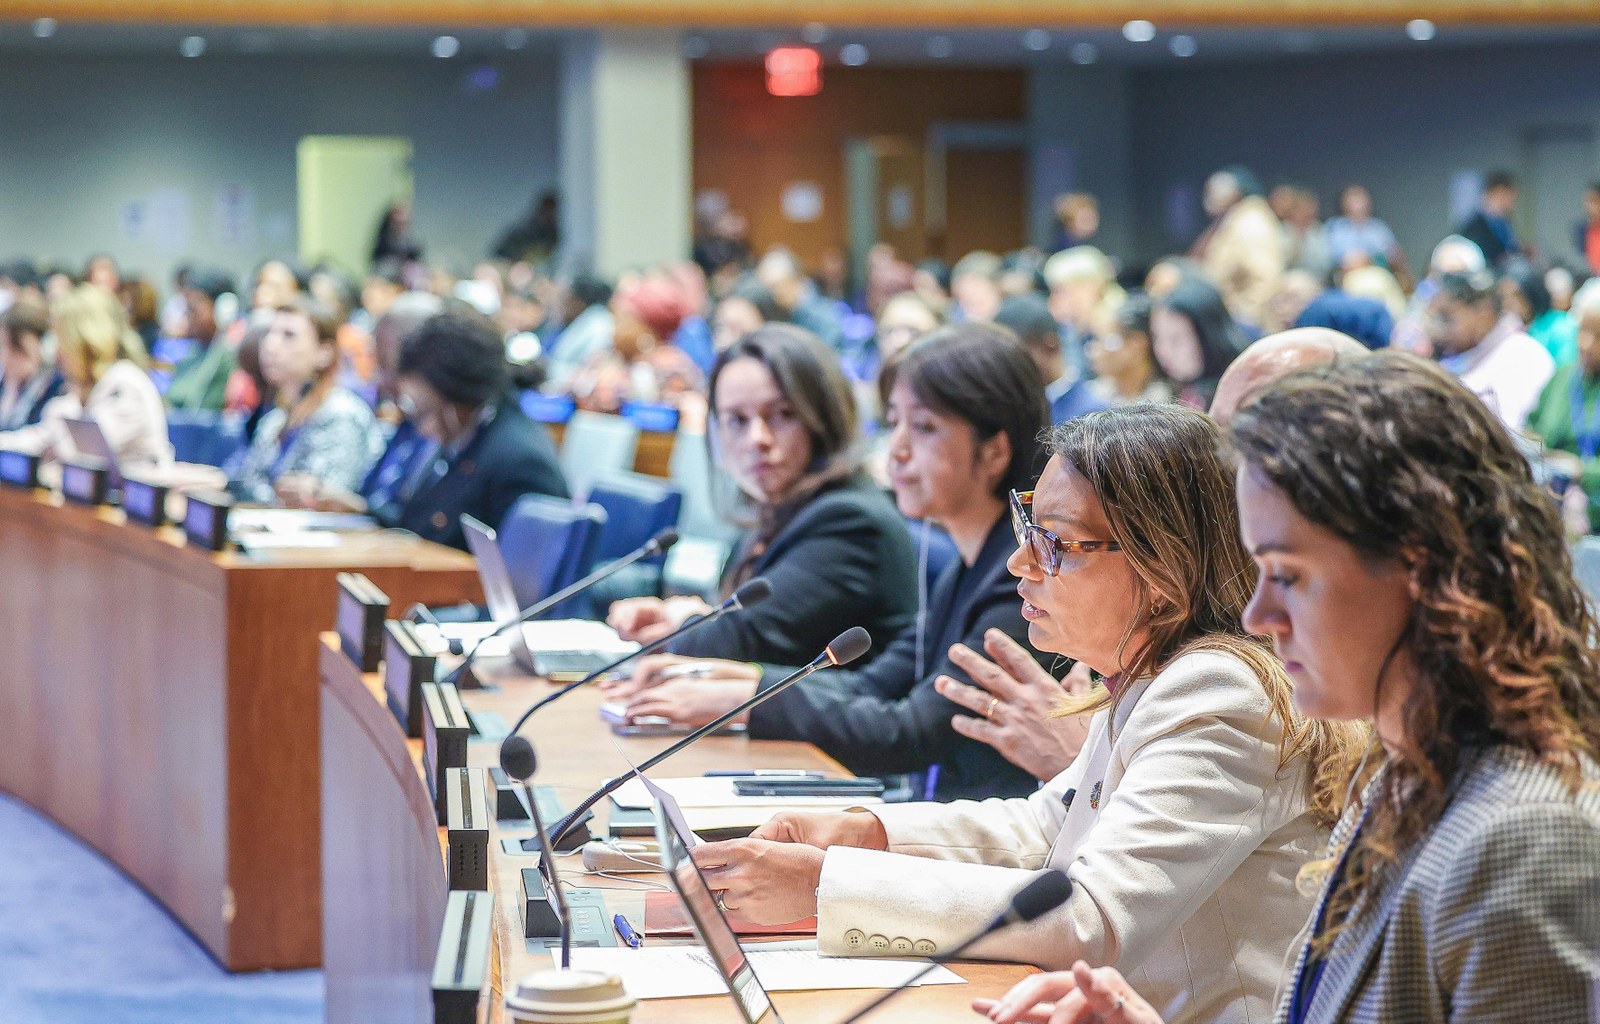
x: 884, y: 720
x: 844, y: 560
x: 30, y: 407
x: 510, y: 456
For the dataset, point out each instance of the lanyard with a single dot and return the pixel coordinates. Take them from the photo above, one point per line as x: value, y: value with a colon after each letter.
x: 1586, y: 431
x: 1310, y: 976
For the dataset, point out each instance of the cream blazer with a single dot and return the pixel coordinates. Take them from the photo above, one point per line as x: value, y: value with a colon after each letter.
x: 1181, y: 836
x: 124, y: 403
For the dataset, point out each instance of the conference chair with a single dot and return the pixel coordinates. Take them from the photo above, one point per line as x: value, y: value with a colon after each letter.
x: 548, y: 543
x: 596, y: 445
x: 637, y: 508
x: 1586, y: 566
x: 204, y: 437
x: 694, y: 565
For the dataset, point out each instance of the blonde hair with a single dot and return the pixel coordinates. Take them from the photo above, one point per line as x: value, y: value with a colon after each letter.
x: 1159, y: 475
x: 92, y: 332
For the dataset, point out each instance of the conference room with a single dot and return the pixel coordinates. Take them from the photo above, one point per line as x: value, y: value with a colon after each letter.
x: 541, y: 512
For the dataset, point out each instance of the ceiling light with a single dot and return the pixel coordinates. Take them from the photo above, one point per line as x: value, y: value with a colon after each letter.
x: 516, y: 38
x: 1421, y: 29
x: 1182, y: 46
x: 852, y: 55
x: 446, y: 47
x: 814, y: 32
x: 44, y: 28
x: 695, y: 47
x: 1139, y: 31
x: 192, y: 46
x: 1084, y: 53
x: 1036, y: 39
x: 940, y: 47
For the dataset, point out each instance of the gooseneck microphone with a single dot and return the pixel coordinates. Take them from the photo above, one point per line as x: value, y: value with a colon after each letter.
x: 649, y: 549
x: 845, y: 648
x: 422, y: 613
x: 1034, y: 900
x: 518, y: 761
x: 747, y: 596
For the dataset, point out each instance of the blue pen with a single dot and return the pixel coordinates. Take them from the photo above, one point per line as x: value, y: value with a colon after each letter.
x: 625, y: 930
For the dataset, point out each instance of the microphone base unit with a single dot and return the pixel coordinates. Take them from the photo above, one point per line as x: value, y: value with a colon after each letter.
x: 506, y: 793
x: 467, y: 838
x: 591, y: 926
x: 445, y: 727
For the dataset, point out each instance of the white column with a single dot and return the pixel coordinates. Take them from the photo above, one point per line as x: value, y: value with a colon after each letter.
x: 625, y: 150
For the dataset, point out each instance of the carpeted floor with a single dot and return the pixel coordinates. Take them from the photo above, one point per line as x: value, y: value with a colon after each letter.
x: 81, y: 944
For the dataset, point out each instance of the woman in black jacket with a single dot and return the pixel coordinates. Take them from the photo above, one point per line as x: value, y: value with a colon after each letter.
x: 783, y: 426
x: 965, y: 409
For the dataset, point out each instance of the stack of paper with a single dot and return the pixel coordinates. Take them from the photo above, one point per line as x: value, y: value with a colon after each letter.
x: 712, y: 805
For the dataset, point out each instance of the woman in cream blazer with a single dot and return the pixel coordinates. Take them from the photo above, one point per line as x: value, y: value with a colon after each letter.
x: 1193, y: 804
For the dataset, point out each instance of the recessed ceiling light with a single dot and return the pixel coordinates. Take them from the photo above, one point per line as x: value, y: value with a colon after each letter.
x: 695, y: 47
x: 1084, y: 53
x: 852, y: 55
x: 1036, y: 39
x: 516, y: 38
x: 1139, y: 31
x: 1421, y: 29
x: 192, y: 46
x: 940, y: 46
x: 446, y: 47
x: 1182, y: 46
x: 814, y: 32
x: 44, y: 28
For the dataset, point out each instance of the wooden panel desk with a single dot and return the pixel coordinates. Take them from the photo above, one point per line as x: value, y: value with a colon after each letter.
x: 369, y: 948
x: 160, y: 703
x: 652, y: 457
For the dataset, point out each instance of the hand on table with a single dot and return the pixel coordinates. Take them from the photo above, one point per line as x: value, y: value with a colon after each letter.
x: 646, y: 619
x: 298, y: 490
x: 691, y: 701
x: 1013, y: 699
x: 860, y: 829
x: 653, y: 671
x: 1083, y: 995
x: 766, y: 882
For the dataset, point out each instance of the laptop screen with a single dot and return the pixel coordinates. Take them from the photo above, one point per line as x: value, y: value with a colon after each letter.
x: 89, y: 439
x: 708, y: 920
x: 492, y: 571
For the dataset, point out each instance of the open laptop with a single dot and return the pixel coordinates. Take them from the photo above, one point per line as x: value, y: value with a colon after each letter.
x: 709, y: 922
x: 89, y: 439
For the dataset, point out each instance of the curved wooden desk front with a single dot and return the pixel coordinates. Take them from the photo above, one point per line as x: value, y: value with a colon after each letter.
x: 380, y: 960
x: 160, y: 702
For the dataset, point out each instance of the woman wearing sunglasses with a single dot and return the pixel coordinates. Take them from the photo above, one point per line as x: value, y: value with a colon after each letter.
x: 1196, y: 799
x: 1411, y: 573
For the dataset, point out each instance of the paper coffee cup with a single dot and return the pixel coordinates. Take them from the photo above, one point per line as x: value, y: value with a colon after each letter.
x: 569, y: 997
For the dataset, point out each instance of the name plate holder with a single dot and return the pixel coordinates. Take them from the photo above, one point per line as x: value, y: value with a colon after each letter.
x: 467, y: 829
x: 407, y: 664
x: 444, y: 740
x: 205, y: 522
x: 359, y: 621
x: 145, y: 501
x: 85, y: 480
x: 461, y: 967
x: 19, y: 469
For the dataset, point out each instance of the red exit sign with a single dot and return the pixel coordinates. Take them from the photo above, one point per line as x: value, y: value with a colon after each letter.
x: 794, y: 71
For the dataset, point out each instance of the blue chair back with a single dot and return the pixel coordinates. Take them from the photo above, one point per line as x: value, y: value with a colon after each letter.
x: 596, y: 445
x: 637, y: 508
x: 204, y: 437
x: 1586, y: 567
x: 547, y: 544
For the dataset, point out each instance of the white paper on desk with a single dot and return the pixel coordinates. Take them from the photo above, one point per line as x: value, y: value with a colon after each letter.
x: 718, y: 791
x: 548, y: 635
x: 304, y: 539
x: 671, y: 972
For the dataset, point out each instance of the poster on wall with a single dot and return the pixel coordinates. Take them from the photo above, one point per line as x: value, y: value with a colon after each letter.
x: 236, y: 216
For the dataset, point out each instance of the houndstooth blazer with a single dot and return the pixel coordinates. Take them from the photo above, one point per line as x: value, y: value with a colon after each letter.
x: 1493, y: 917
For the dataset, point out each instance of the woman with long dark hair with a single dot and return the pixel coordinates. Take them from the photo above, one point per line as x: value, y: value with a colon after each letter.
x: 783, y: 426
x: 964, y: 412
x: 1194, y: 338
x: 1413, y: 574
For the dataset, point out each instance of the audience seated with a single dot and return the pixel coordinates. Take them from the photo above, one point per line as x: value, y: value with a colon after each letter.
x: 1242, y: 249
x: 1067, y: 393
x: 784, y: 427
x: 28, y: 375
x: 1193, y: 339
x: 1120, y: 357
x: 1567, y: 416
x: 319, y: 435
x: 1486, y: 348
x: 200, y: 379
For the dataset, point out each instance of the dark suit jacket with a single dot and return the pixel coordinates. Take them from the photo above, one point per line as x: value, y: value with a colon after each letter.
x: 1477, y: 229
x: 844, y: 560
x: 884, y: 720
x: 30, y: 407
x: 508, y: 457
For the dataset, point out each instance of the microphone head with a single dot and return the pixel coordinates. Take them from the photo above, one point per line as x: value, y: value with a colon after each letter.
x: 517, y: 758
x: 1040, y: 896
x: 849, y: 645
x: 752, y: 593
x: 664, y: 540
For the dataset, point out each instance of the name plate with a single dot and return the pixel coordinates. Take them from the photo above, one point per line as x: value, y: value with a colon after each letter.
x: 144, y: 500
x: 467, y: 824
x: 407, y: 664
x: 445, y: 728
x: 19, y: 469
x: 205, y: 522
x: 462, y: 966
x: 359, y: 621
x: 84, y: 480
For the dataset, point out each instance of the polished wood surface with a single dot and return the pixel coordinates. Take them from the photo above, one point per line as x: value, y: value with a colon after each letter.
x: 778, y: 13
x: 161, y: 704
x: 576, y: 752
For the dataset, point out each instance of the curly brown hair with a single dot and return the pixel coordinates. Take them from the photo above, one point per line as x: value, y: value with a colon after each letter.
x: 1400, y: 461
x: 1168, y: 497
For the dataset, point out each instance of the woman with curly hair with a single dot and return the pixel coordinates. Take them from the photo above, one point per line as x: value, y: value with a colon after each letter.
x: 1413, y: 574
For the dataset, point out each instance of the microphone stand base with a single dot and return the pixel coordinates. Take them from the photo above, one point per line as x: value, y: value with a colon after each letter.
x: 591, y: 926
